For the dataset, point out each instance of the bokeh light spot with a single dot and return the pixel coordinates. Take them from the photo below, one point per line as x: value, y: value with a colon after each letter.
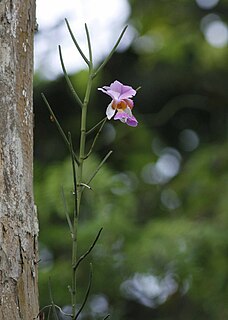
x: 166, y: 167
x: 123, y: 183
x: 207, y: 4
x: 215, y: 32
x: 148, y: 289
x: 170, y: 199
x: 189, y: 140
x: 99, y: 305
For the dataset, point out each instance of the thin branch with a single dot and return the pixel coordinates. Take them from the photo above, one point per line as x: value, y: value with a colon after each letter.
x: 57, y: 307
x: 52, y: 301
x: 85, y: 185
x: 95, y: 139
x: 49, y: 313
x: 75, y: 95
x: 41, y: 310
x: 87, y: 293
x: 99, y: 167
x: 107, y: 317
x: 89, y: 250
x: 110, y: 54
x: 58, y: 125
x: 66, y: 211
x: 55, y: 119
x: 76, y: 44
x: 89, y: 46
x: 96, y: 125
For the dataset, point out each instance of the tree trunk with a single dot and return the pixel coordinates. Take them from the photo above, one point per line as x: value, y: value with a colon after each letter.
x: 18, y: 223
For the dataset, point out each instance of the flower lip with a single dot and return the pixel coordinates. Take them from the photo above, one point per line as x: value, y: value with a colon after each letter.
x: 126, y: 118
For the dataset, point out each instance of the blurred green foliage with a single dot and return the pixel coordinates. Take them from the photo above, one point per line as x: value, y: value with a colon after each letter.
x: 162, y: 197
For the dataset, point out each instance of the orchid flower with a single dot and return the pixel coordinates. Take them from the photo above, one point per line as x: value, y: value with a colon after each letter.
x: 121, y: 104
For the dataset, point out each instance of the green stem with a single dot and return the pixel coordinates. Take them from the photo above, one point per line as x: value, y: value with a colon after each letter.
x: 96, y: 125
x: 58, y: 124
x: 89, y: 250
x: 66, y: 212
x: 86, y: 295
x: 52, y: 301
x: 74, y: 261
x: 99, y: 167
x: 79, y: 189
x: 83, y: 140
x: 76, y: 43
x: 95, y: 139
x: 89, y: 45
x: 74, y: 231
x: 110, y: 54
x: 75, y: 95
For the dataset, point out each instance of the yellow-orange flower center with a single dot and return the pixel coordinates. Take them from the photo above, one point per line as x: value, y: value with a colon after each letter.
x: 120, y: 105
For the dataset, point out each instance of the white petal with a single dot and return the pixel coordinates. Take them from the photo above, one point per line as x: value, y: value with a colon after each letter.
x: 110, y: 111
x: 128, y: 111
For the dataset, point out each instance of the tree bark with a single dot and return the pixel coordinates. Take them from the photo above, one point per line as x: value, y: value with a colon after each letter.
x: 18, y: 223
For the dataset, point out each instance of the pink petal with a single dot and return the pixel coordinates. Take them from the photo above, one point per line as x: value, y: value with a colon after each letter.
x: 118, y: 91
x: 123, y: 91
x: 109, y: 93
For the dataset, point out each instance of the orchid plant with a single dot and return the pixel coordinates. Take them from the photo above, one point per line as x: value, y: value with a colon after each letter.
x: 120, y: 108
